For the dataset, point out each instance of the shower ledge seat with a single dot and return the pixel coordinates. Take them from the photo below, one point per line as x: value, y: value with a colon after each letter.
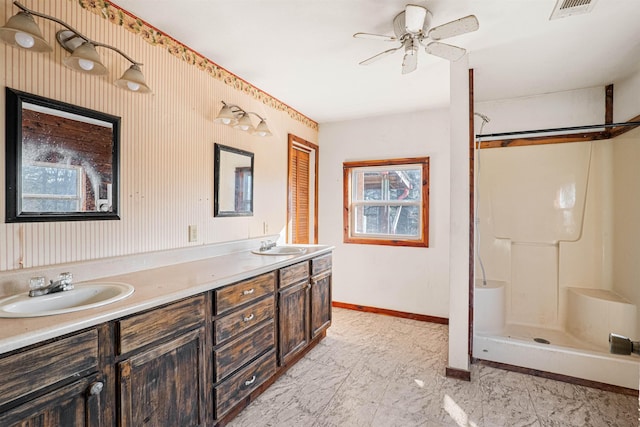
x: 593, y: 313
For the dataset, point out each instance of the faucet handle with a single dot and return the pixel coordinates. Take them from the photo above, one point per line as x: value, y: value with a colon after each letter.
x: 37, y: 282
x: 66, y: 276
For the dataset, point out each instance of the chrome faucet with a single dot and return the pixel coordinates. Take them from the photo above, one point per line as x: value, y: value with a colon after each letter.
x: 265, y: 245
x: 38, y: 288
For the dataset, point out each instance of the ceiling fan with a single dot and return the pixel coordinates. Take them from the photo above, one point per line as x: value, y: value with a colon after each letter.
x: 411, y: 27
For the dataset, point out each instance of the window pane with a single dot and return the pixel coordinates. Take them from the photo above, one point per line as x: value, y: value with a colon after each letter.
x: 49, y: 180
x: 387, y: 220
x: 386, y: 202
x: 387, y: 184
x: 49, y: 205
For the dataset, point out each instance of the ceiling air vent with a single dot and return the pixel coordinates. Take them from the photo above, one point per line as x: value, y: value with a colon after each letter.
x: 566, y: 8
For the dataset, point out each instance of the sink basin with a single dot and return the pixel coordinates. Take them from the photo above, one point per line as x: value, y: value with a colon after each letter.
x: 84, y: 296
x: 282, y: 250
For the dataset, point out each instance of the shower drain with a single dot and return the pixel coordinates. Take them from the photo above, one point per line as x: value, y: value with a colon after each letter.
x: 542, y: 341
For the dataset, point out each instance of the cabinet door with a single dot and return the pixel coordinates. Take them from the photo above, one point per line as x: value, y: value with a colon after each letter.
x: 165, y: 385
x: 293, y: 317
x: 320, y: 303
x: 77, y: 404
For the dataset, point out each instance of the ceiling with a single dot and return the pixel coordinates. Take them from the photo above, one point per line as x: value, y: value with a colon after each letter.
x: 303, y: 52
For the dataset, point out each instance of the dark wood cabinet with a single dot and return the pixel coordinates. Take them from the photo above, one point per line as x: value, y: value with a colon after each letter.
x: 195, y: 362
x: 77, y: 404
x: 320, y: 303
x: 52, y: 384
x: 293, y: 315
x: 320, y: 291
x: 164, y: 386
x: 304, y: 305
x: 244, y: 334
x: 162, y: 371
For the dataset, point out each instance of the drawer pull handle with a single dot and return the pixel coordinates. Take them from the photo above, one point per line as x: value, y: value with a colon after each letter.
x: 251, y: 381
x: 248, y: 291
x: 249, y: 317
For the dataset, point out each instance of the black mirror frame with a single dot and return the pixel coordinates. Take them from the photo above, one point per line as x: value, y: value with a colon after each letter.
x: 216, y: 177
x: 13, y: 152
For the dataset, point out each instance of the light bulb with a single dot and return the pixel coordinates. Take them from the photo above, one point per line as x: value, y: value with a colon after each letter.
x: 133, y: 86
x: 261, y: 133
x: 226, y: 121
x: 85, y: 64
x: 244, y: 127
x: 24, y: 40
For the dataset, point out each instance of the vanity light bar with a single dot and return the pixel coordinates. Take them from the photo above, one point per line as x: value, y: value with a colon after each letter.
x: 233, y: 115
x: 22, y: 31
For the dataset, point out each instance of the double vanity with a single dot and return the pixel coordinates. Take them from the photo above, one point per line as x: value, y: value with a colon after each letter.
x: 191, y: 346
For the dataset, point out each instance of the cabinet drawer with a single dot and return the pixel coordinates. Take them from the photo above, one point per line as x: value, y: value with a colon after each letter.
x: 293, y: 274
x: 320, y: 264
x: 233, y: 296
x: 177, y: 318
x: 233, y: 355
x: 32, y: 370
x: 238, y: 386
x: 235, y: 323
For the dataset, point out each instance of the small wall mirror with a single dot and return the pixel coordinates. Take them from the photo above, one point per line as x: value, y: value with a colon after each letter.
x: 62, y: 161
x: 233, y: 174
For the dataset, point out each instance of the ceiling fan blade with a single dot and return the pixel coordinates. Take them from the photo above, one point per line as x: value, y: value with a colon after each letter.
x: 410, y: 62
x: 374, y: 37
x: 446, y: 51
x: 379, y: 56
x: 414, y: 17
x: 454, y: 28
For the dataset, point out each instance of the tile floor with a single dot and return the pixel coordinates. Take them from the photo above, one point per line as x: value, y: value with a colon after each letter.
x: 374, y: 370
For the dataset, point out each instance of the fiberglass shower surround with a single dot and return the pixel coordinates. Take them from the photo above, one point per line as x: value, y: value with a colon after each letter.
x: 545, y: 221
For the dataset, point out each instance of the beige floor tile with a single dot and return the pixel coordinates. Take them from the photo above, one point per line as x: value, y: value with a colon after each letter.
x: 374, y: 370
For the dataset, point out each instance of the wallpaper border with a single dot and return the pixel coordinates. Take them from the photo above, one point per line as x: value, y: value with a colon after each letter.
x: 118, y: 16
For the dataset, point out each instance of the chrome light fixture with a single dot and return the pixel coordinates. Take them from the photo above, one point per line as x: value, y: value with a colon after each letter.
x: 233, y: 115
x: 22, y: 31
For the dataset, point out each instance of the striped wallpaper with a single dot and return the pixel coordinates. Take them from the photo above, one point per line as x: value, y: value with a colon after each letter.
x: 167, y: 144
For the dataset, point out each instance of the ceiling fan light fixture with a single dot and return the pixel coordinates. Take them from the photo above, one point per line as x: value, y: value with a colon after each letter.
x: 412, y: 29
x: 22, y: 31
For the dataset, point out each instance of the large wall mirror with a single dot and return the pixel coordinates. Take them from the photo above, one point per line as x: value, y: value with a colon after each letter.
x: 233, y: 174
x: 62, y: 161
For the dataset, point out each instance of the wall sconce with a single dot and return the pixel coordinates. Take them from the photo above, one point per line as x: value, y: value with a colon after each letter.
x: 22, y: 31
x: 232, y: 115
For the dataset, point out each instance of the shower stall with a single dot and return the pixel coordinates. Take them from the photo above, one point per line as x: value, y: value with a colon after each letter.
x: 558, y: 234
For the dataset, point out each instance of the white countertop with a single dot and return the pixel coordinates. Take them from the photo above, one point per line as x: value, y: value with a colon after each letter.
x: 153, y: 287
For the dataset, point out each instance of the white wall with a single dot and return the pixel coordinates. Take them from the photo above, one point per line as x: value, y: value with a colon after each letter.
x: 414, y: 280
x: 552, y: 110
x: 459, y: 214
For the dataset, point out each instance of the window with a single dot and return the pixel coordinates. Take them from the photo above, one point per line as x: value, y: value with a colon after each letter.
x: 51, y: 187
x: 386, y: 202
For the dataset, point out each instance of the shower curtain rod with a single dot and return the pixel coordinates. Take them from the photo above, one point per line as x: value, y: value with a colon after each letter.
x: 573, y: 128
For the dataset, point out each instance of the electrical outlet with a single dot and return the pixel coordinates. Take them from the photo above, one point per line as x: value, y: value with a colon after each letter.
x: 193, y: 233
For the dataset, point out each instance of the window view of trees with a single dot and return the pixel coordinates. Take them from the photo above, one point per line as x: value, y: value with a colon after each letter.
x: 396, y: 196
x: 50, y: 188
x: 386, y: 202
